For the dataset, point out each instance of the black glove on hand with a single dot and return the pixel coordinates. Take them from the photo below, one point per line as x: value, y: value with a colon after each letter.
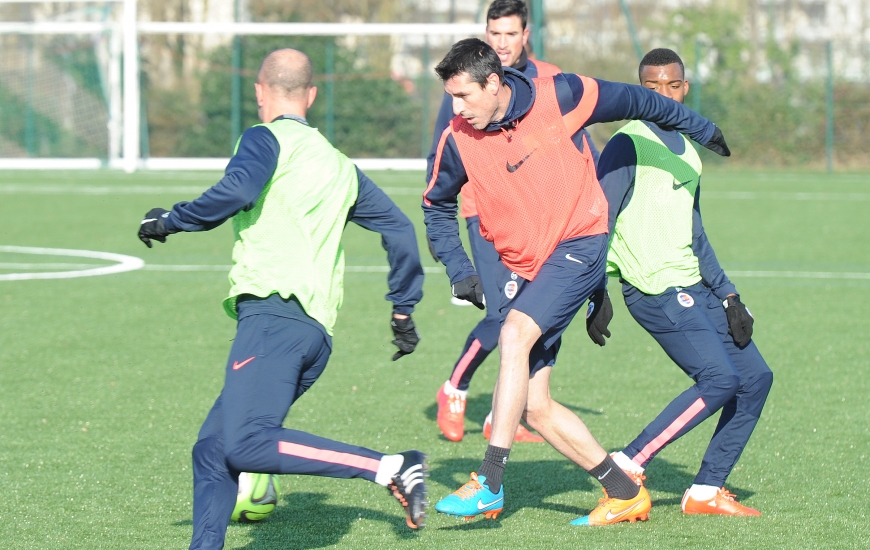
x: 471, y: 290
x: 154, y: 227
x: 432, y: 249
x: 739, y: 321
x: 406, y: 336
x: 717, y: 144
x: 598, y: 316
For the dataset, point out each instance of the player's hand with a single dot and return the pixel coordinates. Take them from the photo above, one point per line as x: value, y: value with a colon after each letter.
x: 432, y: 249
x: 470, y: 290
x: 154, y: 227
x: 740, y: 321
x: 717, y: 144
x: 598, y: 316
x: 406, y: 336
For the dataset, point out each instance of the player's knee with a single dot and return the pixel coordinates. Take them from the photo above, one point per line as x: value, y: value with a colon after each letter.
x: 537, y: 411
x: 208, y: 454
x: 755, y: 393
x: 519, y: 332
x: 717, y: 390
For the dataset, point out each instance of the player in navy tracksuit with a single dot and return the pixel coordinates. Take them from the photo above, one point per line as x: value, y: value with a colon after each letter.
x: 677, y: 294
x: 290, y: 194
x: 507, y: 33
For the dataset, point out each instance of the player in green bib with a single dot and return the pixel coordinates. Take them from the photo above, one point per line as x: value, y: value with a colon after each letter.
x: 290, y: 194
x: 675, y: 288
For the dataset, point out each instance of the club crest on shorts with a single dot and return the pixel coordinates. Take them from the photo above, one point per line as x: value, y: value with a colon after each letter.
x: 510, y: 289
x: 685, y: 300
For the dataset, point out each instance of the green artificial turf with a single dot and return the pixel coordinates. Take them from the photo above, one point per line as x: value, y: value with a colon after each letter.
x: 104, y: 382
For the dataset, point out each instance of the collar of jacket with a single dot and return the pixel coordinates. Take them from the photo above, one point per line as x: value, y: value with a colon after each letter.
x: 522, y: 99
x: 297, y: 118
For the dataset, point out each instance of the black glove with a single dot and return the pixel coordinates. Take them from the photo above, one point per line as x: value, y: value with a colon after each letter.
x: 739, y: 321
x: 598, y: 316
x: 432, y: 249
x: 406, y: 336
x: 717, y: 144
x: 154, y: 226
x: 470, y: 290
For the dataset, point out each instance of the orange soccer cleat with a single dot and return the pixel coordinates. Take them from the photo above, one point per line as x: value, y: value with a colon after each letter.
x: 523, y: 434
x: 451, y: 414
x: 614, y: 510
x: 724, y: 503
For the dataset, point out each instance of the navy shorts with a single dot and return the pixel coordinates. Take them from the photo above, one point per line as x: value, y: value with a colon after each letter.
x: 564, y: 283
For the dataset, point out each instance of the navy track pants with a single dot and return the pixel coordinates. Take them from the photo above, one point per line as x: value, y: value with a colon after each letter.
x: 690, y: 325
x: 273, y: 361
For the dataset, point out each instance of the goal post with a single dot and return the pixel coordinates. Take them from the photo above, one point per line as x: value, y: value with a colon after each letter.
x: 113, y: 106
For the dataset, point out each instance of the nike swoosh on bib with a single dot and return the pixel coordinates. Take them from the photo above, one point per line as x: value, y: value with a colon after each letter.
x: 514, y: 167
x: 685, y: 183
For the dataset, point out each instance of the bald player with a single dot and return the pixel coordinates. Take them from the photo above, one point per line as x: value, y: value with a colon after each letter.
x: 290, y: 194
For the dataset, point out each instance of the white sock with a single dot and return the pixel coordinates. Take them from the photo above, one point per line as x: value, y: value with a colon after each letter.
x: 703, y: 492
x: 626, y: 463
x: 450, y: 390
x: 389, y: 466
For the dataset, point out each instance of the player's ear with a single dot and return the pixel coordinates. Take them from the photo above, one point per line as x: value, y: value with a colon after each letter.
x: 258, y: 90
x: 312, y: 95
x: 493, y: 83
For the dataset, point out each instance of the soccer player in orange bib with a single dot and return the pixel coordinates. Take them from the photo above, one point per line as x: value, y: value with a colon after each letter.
x: 518, y: 143
x: 507, y: 33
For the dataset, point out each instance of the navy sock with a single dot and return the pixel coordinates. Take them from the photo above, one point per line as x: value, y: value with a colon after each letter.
x: 615, y: 481
x: 493, y: 466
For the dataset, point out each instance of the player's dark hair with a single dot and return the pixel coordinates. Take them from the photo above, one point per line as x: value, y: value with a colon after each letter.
x: 660, y: 57
x: 506, y: 8
x: 474, y: 57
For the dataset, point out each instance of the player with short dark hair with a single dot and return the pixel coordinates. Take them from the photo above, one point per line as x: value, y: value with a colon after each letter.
x: 675, y: 288
x: 290, y: 194
x: 517, y: 142
x: 507, y: 34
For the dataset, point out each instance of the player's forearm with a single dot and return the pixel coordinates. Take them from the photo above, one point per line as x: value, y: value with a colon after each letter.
x: 712, y: 274
x: 375, y: 211
x: 442, y: 228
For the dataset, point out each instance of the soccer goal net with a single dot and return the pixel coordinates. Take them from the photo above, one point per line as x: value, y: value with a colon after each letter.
x: 98, y: 86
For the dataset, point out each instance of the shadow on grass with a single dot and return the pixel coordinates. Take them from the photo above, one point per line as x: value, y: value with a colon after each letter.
x: 533, y: 484
x: 306, y: 520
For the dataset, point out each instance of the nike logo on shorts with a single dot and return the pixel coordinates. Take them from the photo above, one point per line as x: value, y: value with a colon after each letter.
x: 237, y: 365
x: 573, y: 259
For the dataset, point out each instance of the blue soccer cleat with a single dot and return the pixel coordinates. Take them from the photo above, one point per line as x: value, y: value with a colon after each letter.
x: 472, y: 499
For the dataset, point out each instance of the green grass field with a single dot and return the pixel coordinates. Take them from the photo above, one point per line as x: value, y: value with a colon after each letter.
x: 105, y: 381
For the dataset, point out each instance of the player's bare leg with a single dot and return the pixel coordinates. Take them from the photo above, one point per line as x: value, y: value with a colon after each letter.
x: 518, y: 335
x: 484, y: 493
x: 562, y: 429
x: 565, y: 431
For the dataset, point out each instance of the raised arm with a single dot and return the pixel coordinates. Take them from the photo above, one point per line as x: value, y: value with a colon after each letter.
x: 605, y: 101
x: 244, y: 179
x: 246, y: 175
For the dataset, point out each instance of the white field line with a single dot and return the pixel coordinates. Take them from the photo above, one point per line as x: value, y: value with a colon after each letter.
x: 347, y: 268
x: 72, y: 189
x: 801, y: 275
x: 386, y: 269
x: 122, y: 263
